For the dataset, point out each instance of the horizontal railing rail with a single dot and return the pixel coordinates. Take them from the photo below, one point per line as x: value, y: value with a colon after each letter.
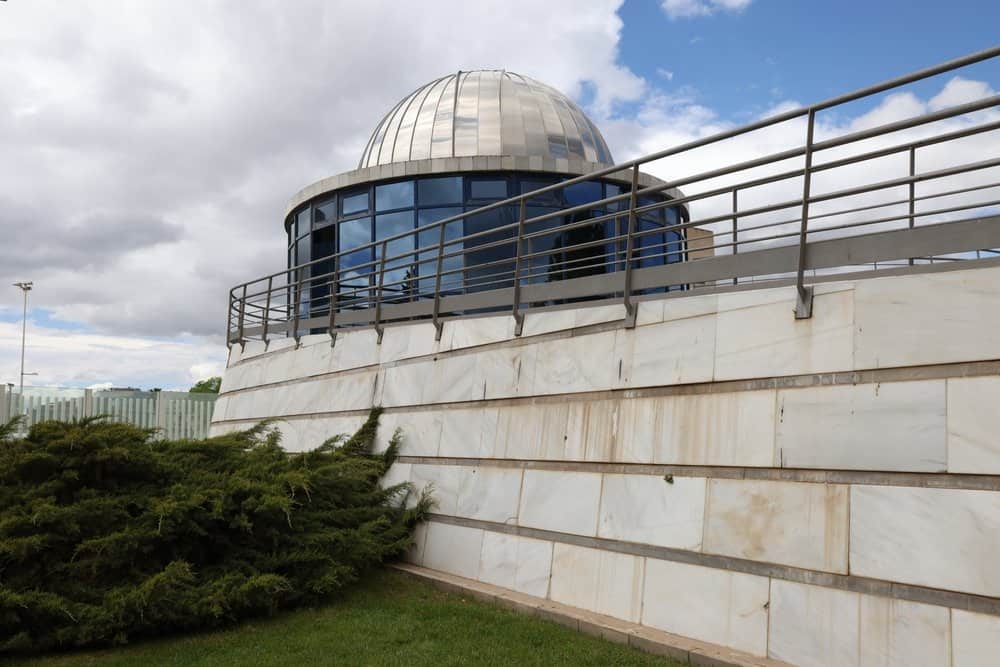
x: 842, y: 199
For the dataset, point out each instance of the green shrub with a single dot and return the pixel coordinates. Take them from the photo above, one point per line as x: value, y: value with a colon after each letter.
x: 107, y: 534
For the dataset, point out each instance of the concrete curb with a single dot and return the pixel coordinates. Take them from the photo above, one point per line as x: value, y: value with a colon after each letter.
x: 657, y: 642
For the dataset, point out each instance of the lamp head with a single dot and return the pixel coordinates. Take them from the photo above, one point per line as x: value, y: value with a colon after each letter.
x: 26, y: 286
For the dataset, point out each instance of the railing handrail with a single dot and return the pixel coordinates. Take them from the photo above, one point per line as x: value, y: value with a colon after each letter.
x: 374, y: 270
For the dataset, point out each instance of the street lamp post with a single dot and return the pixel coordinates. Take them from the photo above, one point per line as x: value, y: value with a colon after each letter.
x: 25, y: 288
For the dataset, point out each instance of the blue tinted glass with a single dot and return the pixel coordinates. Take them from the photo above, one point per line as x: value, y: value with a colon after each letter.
x: 393, y: 196
x: 354, y: 233
x: 429, y: 239
x: 538, y: 269
x: 552, y: 198
x: 398, y: 270
x: 325, y: 213
x: 480, y: 188
x: 356, y: 202
x: 581, y: 193
x: 438, y: 191
x: 391, y: 224
x: 480, y: 272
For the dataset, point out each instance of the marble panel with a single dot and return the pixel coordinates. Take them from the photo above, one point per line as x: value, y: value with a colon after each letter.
x: 731, y: 429
x: 902, y: 633
x: 354, y: 349
x: 446, y: 482
x: 561, y: 501
x: 474, y: 331
x: 650, y: 510
x: 420, y: 431
x: 883, y: 426
x: 673, y: 352
x: 579, y: 363
x: 591, y: 427
x: 974, y: 425
x: 405, y: 384
x: 304, y: 434
x: 814, y: 626
x: 794, y: 523
x: 929, y: 318
x: 588, y: 315
x: 469, y: 432
x: 664, y: 310
x: 489, y: 494
x: 532, y: 431
x: 254, y: 348
x: 955, y: 532
x: 766, y: 340
x: 451, y: 378
x: 718, y: 606
x: 519, y: 563
x: 638, y: 430
x: 505, y: 372
x: 541, y: 322
x: 604, y: 582
x: 975, y: 639
x: 453, y: 549
x: 408, y: 341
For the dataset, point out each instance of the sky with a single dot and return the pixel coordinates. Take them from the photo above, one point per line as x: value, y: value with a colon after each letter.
x: 148, y: 148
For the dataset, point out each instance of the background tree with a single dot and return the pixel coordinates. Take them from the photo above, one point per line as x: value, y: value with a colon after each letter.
x: 207, y: 386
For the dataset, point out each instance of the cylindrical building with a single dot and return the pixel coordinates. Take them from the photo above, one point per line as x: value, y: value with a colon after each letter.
x: 458, y: 143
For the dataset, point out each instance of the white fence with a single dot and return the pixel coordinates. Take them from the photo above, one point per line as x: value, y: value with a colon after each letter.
x: 179, y: 414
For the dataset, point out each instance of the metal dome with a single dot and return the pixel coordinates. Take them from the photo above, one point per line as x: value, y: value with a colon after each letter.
x: 495, y: 112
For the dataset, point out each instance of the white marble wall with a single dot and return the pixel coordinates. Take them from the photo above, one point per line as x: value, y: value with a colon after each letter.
x: 974, y: 425
x: 822, y: 627
x: 942, y: 538
x: 792, y: 523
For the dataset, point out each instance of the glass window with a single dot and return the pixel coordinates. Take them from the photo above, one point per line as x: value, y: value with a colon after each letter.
x: 439, y: 191
x: 399, y: 271
x: 394, y: 195
x: 552, y: 198
x: 323, y: 242
x: 302, y: 222
x: 450, y: 282
x: 325, y: 213
x: 302, y: 250
x: 483, y: 188
x: 354, y: 202
x: 480, y: 272
x: 581, y: 193
x: 354, y: 233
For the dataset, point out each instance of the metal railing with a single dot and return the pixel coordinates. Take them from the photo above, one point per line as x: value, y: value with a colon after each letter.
x: 842, y: 200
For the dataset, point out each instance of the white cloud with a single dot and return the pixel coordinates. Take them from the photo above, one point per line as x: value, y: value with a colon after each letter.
x: 681, y: 9
x: 147, y: 158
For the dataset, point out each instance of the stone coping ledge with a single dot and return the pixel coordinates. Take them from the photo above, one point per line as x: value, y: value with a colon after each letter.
x: 643, y: 638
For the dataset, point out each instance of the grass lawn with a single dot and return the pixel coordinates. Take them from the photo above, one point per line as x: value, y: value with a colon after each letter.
x: 392, y: 619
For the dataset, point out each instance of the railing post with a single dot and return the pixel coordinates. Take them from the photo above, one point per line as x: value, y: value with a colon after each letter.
x: 296, y: 302
x: 804, y: 295
x: 229, y: 318
x: 267, y: 310
x: 438, y: 326
x: 242, y: 317
x: 516, y: 310
x: 913, y: 187
x: 736, y: 231
x: 379, y: 329
x: 630, y: 307
x: 334, y: 296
